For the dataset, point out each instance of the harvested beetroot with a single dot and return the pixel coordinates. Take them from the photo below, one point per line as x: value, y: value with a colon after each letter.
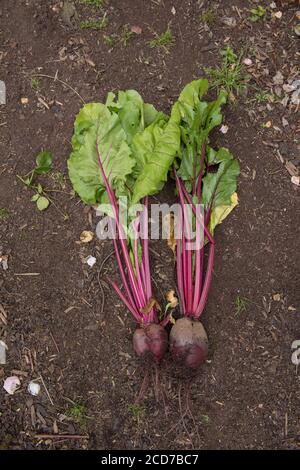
x: 152, y: 339
x: 189, y: 342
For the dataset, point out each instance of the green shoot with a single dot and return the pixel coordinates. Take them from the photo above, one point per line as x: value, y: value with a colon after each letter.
x: 4, y: 213
x: 257, y: 13
x: 163, y: 40
x: 126, y: 35
x: 208, y: 16
x: 230, y: 76
x: 94, y: 3
x: 35, y: 84
x: 78, y: 413
x: 95, y: 25
x: 110, y: 40
x: 138, y: 411
x: 240, y: 305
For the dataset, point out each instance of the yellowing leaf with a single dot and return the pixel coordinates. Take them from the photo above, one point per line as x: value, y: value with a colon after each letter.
x: 220, y: 213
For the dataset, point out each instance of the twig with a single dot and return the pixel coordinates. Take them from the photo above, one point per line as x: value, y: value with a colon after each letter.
x: 48, y: 394
x: 61, y: 436
x: 61, y: 81
x: 55, y: 343
x: 27, y: 274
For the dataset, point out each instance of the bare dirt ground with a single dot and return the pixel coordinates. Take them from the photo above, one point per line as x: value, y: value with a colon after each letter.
x: 63, y: 326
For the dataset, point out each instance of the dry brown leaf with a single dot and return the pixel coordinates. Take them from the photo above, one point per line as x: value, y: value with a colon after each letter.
x: 86, y: 236
x: 169, y: 223
x: 136, y: 29
x: 171, y: 298
x: 292, y: 169
x: 152, y: 302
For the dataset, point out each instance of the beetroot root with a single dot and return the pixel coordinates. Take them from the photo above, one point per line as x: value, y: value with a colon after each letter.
x: 151, y: 339
x: 189, y: 342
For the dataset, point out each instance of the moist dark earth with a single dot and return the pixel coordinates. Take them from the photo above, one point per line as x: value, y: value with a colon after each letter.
x: 65, y: 328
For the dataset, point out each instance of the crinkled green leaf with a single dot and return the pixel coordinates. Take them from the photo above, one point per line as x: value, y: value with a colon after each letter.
x: 96, y: 123
x: 198, y: 118
x: 154, y: 151
x: 132, y: 111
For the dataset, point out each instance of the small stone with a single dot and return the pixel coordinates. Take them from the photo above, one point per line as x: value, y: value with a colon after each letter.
x: 276, y: 297
x: 229, y: 21
x: 224, y: 129
x: 247, y: 62
x: 278, y: 78
x: 90, y: 260
x: 12, y: 384
x: 34, y: 388
x: 295, y: 180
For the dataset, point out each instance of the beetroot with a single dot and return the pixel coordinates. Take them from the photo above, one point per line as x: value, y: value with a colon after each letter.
x: 151, y: 339
x: 189, y: 342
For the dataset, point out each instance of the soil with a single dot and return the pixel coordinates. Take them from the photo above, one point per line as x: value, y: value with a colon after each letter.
x: 65, y: 327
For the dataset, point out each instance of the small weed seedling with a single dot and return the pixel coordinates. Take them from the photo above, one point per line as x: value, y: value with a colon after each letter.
x: 138, y: 411
x: 43, y: 166
x: 4, y: 213
x: 95, y: 25
x: 240, y: 305
x: 230, y: 75
x: 78, y: 413
x: 163, y: 40
x: 110, y: 40
x: 94, y: 3
x: 35, y: 84
x: 257, y: 13
x: 126, y: 35
x: 208, y: 16
x: 41, y: 197
x: 205, y: 419
x: 262, y: 96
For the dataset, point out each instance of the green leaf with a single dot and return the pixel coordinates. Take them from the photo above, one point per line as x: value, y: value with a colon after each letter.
x: 35, y: 197
x: 154, y: 151
x: 96, y: 123
x: 43, y: 162
x: 218, y: 186
x: 39, y: 188
x: 42, y: 203
x: 133, y: 113
x: 198, y: 118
